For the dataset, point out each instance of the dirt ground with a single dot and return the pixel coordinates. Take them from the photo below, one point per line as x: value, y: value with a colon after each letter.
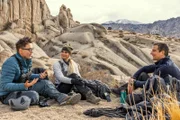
x: 56, y: 112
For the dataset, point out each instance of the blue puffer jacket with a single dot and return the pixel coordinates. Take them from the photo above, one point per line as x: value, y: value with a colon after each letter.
x: 11, y: 72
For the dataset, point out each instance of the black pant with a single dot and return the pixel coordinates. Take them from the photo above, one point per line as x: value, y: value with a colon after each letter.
x: 137, y: 83
x: 133, y: 99
x: 67, y: 88
x: 141, y: 81
x: 64, y: 88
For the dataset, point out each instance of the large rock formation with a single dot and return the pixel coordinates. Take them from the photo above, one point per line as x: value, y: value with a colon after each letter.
x: 30, y: 16
x: 65, y: 18
x: 106, y: 50
x: 95, y: 48
x: 26, y: 14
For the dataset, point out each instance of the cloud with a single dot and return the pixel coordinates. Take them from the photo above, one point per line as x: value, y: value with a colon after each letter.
x: 101, y: 11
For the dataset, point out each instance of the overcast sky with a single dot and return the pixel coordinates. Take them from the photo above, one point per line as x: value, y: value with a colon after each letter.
x: 145, y: 11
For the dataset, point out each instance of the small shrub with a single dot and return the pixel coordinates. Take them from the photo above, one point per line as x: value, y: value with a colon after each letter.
x: 90, y: 72
x: 121, y: 35
x: 7, y: 26
x: 109, y: 28
x: 163, y: 106
x: 134, y: 33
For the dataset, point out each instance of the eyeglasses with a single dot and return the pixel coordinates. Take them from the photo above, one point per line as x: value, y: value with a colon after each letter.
x: 29, y: 49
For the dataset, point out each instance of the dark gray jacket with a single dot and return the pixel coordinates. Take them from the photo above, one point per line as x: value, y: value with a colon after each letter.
x: 163, y: 67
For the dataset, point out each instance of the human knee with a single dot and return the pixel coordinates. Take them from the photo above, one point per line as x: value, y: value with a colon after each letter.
x: 46, y: 82
x: 143, y: 76
x: 34, y: 97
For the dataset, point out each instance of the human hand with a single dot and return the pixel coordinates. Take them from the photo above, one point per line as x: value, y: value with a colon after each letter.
x: 131, y: 81
x: 28, y: 84
x: 43, y: 74
x: 130, y: 87
x: 77, y: 82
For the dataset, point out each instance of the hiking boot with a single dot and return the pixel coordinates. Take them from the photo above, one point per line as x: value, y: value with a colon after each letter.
x: 117, y: 91
x: 71, y: 100
x: 90, y: 97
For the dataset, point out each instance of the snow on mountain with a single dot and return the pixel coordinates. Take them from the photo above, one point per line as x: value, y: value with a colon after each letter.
x: 122, y: 21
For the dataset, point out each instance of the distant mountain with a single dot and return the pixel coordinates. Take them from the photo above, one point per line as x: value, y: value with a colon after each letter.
x: 122, y: 21
x: 169, y: 28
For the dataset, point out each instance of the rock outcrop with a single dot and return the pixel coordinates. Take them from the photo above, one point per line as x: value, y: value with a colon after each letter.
x: 65, y: 18
x: 106, y: 49
x: 118, y: 52
x: 26, y: 14
x: 30, y: 16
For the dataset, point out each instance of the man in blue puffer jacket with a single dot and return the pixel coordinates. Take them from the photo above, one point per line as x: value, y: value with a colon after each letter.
x: 13, y: 84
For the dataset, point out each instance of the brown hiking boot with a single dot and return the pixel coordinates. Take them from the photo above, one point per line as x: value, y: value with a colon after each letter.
x: 71, y: 100
x: 90, y: 97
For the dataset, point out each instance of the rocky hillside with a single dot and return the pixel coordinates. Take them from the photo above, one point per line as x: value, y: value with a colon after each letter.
x: 100, y: 52
x: 29, y: 16
x: 24, y: 14
x: 95, y: 49
x: 168, y: 28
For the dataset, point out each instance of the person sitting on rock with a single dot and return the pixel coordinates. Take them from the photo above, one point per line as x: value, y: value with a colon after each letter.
x: 67, y: 76
x: 162, y: 67
x: 17, y: 80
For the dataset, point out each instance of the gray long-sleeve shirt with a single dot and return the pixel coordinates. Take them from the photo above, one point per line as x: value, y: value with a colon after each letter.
x: 59, y: 77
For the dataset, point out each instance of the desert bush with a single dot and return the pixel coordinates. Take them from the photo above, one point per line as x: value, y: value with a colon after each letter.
x: 121, y: 35
x: 91, y: 72
x: 132, y: 32
x: 164, y: 107
x: 7, y: 25
x: 109, y: 28
x: 169, y: 38
x: 120, y: 31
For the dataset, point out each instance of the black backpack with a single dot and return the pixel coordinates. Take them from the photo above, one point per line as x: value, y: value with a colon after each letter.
x: 154, y: 85
x: 26, y: 76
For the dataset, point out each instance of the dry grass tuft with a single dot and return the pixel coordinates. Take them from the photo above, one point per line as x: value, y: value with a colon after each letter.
x: 166, y: 106
x: 90, y: 72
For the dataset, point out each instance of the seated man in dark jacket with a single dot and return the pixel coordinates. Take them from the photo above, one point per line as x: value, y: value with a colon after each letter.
x: 162, y: 67
x: 16, y: 80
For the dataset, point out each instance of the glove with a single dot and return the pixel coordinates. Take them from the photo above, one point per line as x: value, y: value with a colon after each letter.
x: 74, y: 75
x: 77, y: 82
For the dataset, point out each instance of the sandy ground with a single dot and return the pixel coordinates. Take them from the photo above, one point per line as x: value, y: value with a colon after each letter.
x: 56, y: 112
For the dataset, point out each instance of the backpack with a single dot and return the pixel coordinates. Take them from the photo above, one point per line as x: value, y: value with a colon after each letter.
x: 154, y: 85
x: 24, y: 76
x: 99, y: 88
x: 0, y: 73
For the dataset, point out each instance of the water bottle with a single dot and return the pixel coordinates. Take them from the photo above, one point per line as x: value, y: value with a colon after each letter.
x: 123, y: 96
